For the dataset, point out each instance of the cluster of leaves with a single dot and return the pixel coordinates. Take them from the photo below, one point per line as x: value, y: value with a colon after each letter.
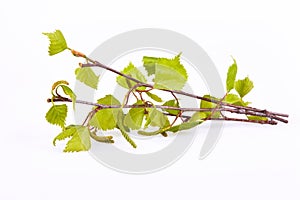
x: 169, y: 74
x: 242, y: 87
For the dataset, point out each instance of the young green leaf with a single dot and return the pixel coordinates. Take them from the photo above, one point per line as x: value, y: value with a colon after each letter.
x: 157, y: 118
x: 57, y: 42
x: 134, y: 118
x: 80, y: 140
x: 70, y: 93
x: 244, y: 86
x: 171, y: 103
x: 198, y: 117
x: 169, y: 73
x: 257, y: 118
x: 154, y: 97
x: 57, y: 115
x: 231, y: 75
x: 132, y: 71
x: 87, y: 76
x: 234, y: 99
x: 206, y: 104
x: 106, y: 119
x: 68, y: 132
x: 149, y: 64
x: 184, y: 126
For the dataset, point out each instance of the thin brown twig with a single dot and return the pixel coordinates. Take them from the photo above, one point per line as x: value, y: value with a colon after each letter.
x: 147, y: 105
x: 248, y: 110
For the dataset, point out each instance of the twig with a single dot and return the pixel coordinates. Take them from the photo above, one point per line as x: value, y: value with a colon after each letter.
x: 242, y: 109
x: 237, y: 111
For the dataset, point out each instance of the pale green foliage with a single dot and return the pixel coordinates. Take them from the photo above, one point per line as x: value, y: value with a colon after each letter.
x: 149, y: 64
x: 68, y: 132
x: 169, y: 73
x: 235, y: 100
x: 184, y: 126
x: 57, y: 42
x: 232, y: 98
x: 206, y: 104
x: 231, y: 75
x: 132, y: 71
x: 171, y: 103
x: 63, y: 84
x: 198, y: 117
x: 157, y: 118
x: 258, y: 118
x: 57, y: 115
x: 134, y: 118
x: 106, y: 119
x: 243, y: 86
x: 70, y: 93
x: 154, y: 97
x: 80, y: 140
x: 87, y: 76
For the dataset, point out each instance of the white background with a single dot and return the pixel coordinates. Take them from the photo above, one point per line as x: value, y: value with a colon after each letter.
x: 249, y: 162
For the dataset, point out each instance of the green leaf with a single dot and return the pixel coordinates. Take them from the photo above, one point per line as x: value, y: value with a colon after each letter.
x: 134, y: 118
x: 235, y: 100
x: 57, y: 115
x: 149, y: 64
x: 157, y: 118
x: 169, y: 73
x: 106, y: 119
x: 87, y: 76
x: 198, y: 117
x: 154, y: 97
x: 132, y: 71
x: 206, y: 104
x: 57, y: 42
x: 171, y: 103
x: 244, y: 86
x: 257, y: 118
x: 184, y: 126
x: 180, y: 127
x: 70, y: 93
x: 232, y: 98
x: 80, y: 140
x: 68, y: 132
x: 231, y: 75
